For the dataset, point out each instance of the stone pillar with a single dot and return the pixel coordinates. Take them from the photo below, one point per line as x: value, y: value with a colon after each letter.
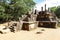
x: 49, y: 10
x: 45, y: 7
x: 41, y: 8
x: 19, y: 25
x: 35, y: 11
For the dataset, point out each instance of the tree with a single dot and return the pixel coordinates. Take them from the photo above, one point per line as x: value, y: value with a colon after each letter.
x: 14, y: 8
x: 53, y: 9
x: 56, y: 10
x: 21, y: 7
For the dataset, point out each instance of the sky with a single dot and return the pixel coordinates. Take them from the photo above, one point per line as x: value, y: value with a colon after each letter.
x: 38, y: 1
x: 49, y: 3
x: 8, y: 1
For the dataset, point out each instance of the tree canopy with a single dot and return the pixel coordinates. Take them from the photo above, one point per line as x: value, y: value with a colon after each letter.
x: 13, y: 9
x: 56, y: 10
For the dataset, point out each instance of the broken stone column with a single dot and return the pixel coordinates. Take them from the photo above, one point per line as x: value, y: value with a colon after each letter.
x: 41, y: 8
x: 36, y: 12
x: 45, y: 7
x: 19, y: 25
x: 48, y: 9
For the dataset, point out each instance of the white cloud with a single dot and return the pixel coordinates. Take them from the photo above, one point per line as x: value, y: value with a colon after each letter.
x: 49, y: 3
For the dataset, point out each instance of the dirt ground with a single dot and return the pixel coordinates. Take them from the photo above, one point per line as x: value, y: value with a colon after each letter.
x: 46, y: 34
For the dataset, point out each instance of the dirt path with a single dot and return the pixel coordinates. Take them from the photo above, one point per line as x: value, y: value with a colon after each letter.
x: 48, y: 34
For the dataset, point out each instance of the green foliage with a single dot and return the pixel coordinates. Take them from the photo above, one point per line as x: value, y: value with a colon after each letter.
x: 13, y: 10
x: 53, y: 9
x: 1, y: 9
x: 56, y: 10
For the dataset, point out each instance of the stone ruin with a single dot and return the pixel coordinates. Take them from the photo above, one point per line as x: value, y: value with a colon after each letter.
x: 32, y: 20
x: 39, y: 19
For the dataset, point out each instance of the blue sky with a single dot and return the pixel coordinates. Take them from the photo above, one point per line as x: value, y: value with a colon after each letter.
x: 49, y: 3
x: 38, y: 1
x: 8, y: 1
